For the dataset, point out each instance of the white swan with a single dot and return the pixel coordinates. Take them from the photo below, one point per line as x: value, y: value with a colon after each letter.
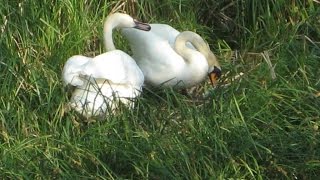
x: 167, y: 58
x: 107, y: 79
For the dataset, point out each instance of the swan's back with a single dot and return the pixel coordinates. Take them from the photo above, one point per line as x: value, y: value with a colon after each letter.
x: 158, y: 32
x: 165, y: 31
x: 115, y: 66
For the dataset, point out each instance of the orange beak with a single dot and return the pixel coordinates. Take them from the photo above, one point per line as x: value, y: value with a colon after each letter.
x: 214, y: 76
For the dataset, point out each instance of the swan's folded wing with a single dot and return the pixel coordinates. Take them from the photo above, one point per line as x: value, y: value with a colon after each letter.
x: 134, y: 74
x: 115, y: 66
x: 72, y: 69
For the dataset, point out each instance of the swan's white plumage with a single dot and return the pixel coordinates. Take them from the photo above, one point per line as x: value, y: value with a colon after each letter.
x: 72, y: 69
x: 165, y: 32
x: 116, y: 66
x: 104, y: 81
x: 156, y: 55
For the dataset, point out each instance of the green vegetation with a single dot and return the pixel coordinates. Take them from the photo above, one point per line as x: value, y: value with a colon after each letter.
x: 261, y: 125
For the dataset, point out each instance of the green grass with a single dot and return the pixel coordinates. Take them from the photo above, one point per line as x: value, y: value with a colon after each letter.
x: 256, y: 127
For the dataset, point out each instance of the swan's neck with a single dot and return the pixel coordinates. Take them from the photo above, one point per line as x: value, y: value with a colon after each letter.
x: 199, y: 44
x: 108, y: 41
x: 109, y: 25
x: 186, y: 52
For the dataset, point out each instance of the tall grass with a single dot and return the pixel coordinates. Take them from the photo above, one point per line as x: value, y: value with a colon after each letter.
x: 262, y: 125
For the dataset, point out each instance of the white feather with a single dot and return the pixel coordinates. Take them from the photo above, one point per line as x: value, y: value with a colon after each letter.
x: 165, y: 59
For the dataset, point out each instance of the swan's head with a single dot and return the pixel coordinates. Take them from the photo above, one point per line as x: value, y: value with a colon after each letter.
x: 121, y: 20
x: 214, y: 72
